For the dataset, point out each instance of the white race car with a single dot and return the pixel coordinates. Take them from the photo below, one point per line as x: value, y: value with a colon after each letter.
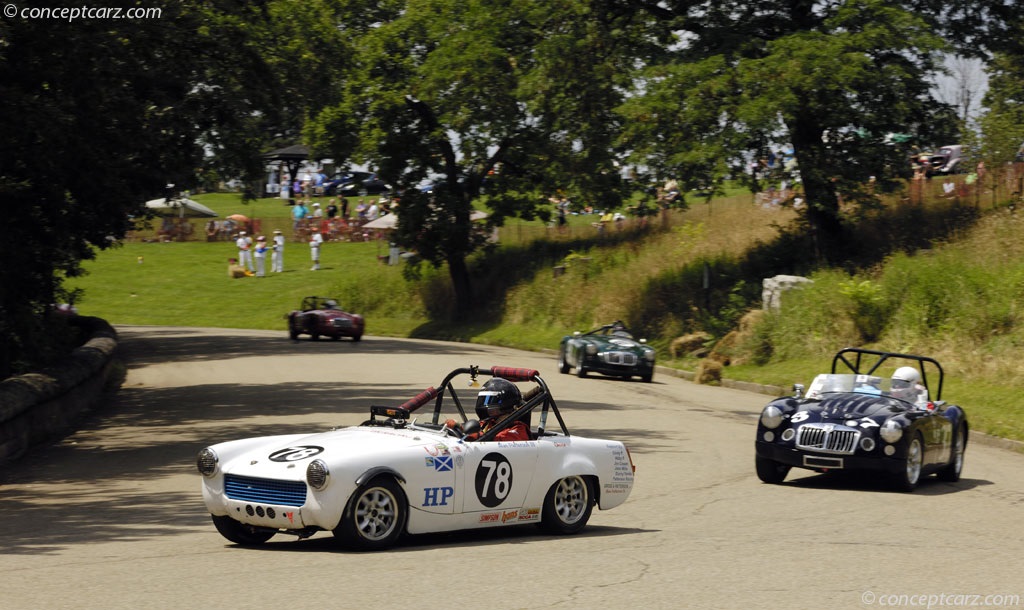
x: 369, y: 484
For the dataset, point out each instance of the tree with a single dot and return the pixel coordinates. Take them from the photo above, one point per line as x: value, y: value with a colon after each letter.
x: 830, y: 78
x: 494, y: 103
x: 100, y: 115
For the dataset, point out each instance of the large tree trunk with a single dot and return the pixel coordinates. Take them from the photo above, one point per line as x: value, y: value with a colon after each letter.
x: 816, y: 174
x: 459, y: 273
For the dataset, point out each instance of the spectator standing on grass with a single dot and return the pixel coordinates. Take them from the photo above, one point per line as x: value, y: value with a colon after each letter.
x: 343, y: 207
x: 299, y: 213
x: 316, y: 213
x: 277, y: 253
x: 261, y: 256
x: 244, y: 245
x: 315, y: 242
x: 372, y: 212
x: 332, y: 210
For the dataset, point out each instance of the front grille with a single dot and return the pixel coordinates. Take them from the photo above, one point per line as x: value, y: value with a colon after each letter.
x: 267, y: 491
x: 828, y: 438
x: 621, y: 358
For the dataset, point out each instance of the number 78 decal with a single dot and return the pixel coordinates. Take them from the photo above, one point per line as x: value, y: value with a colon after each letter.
x: 493, y: 479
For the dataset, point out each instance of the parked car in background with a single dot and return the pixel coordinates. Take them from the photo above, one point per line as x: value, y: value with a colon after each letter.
x: 854, y: 419
x: 609, y: 350
x: 947, y: 160
x: 323, y: 317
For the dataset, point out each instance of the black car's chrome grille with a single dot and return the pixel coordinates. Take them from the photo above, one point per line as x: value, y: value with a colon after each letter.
x: 829, y: 438
x: 267, y: 491
x: 620, y: 358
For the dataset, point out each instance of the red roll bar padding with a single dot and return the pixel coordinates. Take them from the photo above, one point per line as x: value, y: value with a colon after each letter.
x: 513, y: 374
x: 420, y: 399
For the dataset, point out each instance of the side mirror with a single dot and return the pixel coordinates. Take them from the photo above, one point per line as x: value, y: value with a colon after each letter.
x: 798, y: 390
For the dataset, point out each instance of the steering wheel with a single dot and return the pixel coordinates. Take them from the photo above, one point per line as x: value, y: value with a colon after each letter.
x: 454, y: 428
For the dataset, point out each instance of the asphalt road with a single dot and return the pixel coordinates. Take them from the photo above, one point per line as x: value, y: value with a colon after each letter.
x: 111, y: 517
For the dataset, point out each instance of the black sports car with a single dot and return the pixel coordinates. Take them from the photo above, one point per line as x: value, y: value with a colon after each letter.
x: 610, y: 350
x: 853, y: 419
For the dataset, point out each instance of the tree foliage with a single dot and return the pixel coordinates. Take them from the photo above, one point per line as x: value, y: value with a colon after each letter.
x: 830, y: 78
x: 100, y: 115
x: 502, y: 102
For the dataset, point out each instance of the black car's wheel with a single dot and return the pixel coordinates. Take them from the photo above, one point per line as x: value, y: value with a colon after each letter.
x: 581, y: 371
x: 770, y: 471
x: 239, y: 533
x: 646, y: 378
x: 951, y: 473
x: 563, y: 366
x: 567, y: 506
x: 908, y: 478
x: 375, y: 516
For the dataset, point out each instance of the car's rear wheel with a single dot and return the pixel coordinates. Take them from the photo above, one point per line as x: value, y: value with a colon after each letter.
x: 239, y: 533
x: 770, y: 471
x: 357, y: 338
x: 908, y: 478
x: 951, y: 473
x: 375, y: 516
x: 567, y: 506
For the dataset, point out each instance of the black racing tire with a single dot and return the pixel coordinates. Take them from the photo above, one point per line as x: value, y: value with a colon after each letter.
x: 563, y: 365
x: 293, y: 334
x: 581, y: 371
x: 314, y: 336
x: 951, y: 473
x: 239, y: 533
x: 567, y: 506
x: 908, y: 478
x: 375, y: 516
x: 647, y: 378
x: 770, y: 471
x: 357, y: 338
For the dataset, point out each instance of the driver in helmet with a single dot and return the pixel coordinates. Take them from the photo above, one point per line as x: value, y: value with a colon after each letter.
x: 496, y: 400
x: 906, y: 385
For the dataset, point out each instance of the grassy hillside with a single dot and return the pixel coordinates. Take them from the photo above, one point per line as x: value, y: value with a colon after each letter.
x: 698, y: 269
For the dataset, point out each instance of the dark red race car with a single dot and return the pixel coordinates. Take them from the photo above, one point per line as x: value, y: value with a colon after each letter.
x: 322, y: 316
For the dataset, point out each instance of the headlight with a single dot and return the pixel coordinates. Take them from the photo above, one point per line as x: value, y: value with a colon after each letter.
x: 891, y: 431
x: 771, y: 417
x: 317, y: 474
x: 591, y: 349
x: 649, y: 355
x: 207, y: 461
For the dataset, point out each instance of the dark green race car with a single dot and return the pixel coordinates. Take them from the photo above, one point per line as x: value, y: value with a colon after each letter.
x: 609, y: 350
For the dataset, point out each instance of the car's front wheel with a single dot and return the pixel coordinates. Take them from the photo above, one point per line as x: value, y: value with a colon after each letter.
x: 563, y: 364
x: 567, y: 506
x: 239, y: 533
x: 951, y: 473
x: 375, y: 516
x: 908, y: 477
x: 770, y: 471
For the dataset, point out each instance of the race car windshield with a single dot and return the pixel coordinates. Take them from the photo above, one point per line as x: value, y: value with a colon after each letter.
x: 848, y: 382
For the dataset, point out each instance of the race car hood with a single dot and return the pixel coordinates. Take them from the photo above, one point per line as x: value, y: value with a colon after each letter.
x: 856, y: 406
x: 283, y: 457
